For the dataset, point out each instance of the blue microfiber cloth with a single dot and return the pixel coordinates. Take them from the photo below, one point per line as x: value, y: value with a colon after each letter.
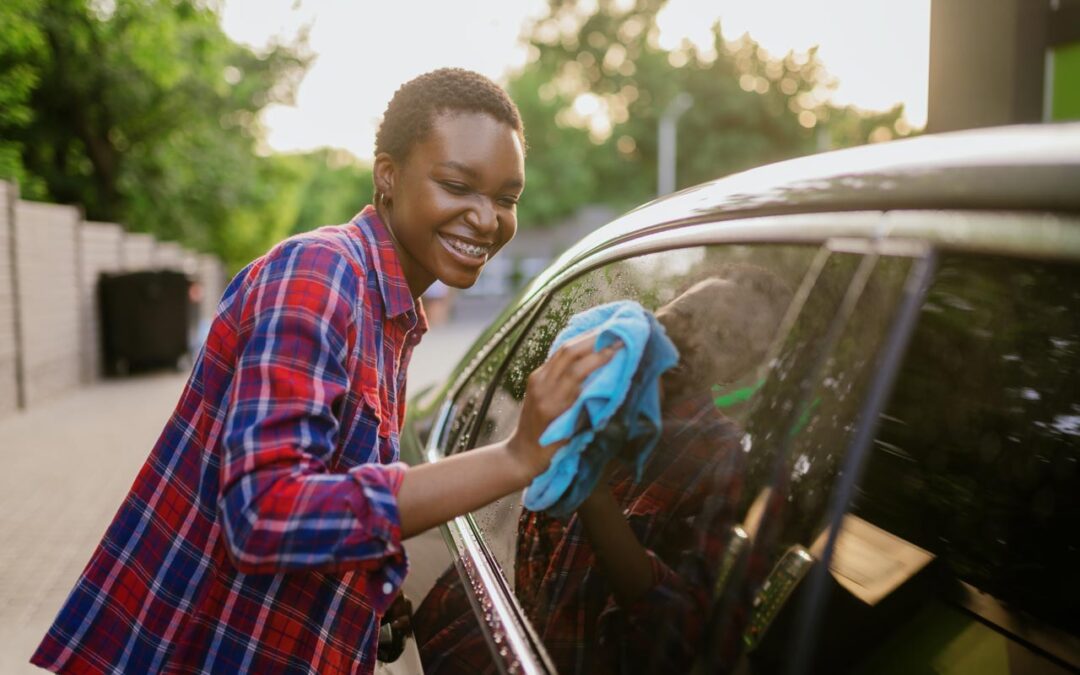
x: 618, y: 409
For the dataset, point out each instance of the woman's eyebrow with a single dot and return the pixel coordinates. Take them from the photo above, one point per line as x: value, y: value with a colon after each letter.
x: 463, y: 168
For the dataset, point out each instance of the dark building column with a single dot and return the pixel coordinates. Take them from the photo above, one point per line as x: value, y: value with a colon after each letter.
x: 987, y: 62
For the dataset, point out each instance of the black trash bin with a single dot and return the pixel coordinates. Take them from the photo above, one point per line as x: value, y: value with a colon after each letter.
x: 144, y: 320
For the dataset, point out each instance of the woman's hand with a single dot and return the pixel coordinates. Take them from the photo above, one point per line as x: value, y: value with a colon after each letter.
x: 433, y: 493
x: 551, y: 390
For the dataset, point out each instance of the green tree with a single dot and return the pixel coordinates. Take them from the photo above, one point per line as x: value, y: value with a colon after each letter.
x: 21, y: 46
x: 599, y: 80
x: 298, y: 192
x: 333, y: 185
x: 145, y: 112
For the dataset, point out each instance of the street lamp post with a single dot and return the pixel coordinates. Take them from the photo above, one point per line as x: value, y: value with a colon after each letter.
x: 665, y: 159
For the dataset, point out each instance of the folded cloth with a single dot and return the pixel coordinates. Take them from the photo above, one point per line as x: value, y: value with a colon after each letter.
x: 617, y: 411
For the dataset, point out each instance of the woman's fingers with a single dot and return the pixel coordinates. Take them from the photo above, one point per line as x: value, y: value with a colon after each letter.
x: 565, y: 382
x: 575, y: 348
x: 551, y: 391
x: 585, y: 365
x: 554, y: 386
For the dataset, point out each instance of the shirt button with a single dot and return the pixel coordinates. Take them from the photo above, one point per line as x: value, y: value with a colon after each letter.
x: 387, y: 588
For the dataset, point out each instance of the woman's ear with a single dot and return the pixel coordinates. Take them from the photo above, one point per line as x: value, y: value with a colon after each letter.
x: 384, y: 172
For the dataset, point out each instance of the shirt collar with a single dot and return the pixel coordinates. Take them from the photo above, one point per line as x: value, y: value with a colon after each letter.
x: 392, y: 284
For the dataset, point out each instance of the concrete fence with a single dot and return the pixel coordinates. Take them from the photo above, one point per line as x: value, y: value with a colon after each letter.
x: 9, y: 335
x: 50, y: 262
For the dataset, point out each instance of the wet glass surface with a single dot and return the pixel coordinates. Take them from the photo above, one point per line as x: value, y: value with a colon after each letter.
x: 724, y: 308
x: 964, y: 537
x: 976, y: 463
x: 960, y: 550
x: 807, y: 418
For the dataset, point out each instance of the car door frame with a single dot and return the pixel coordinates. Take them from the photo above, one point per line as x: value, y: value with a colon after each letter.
x: 515, y: 647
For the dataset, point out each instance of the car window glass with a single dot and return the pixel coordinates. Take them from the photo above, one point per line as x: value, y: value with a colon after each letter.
x: 464, y: 412
x: 963, y: 539
x: 798, y: 428
x: 723, y: 307
x: 436, y: 574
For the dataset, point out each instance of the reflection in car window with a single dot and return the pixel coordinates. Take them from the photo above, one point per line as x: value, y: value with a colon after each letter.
x: 798, y: 429
x: 973, y: 483
x: 723, y: 307
x: 466, y: 406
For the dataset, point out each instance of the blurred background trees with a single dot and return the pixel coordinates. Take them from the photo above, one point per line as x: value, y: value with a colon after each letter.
x: 598, y: 81
x: 146, y: 113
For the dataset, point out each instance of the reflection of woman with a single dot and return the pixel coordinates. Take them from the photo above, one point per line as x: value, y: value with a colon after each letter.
x: 264, y: 532
x: 625, y: 584
x: 606, y: 588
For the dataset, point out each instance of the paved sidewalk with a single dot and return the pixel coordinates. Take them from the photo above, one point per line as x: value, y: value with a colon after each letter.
x: 68, y: 464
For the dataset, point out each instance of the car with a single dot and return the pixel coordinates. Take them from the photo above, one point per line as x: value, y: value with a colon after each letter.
x: 870, y: 455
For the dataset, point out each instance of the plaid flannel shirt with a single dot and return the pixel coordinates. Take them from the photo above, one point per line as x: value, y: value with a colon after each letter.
x: 262, y: 533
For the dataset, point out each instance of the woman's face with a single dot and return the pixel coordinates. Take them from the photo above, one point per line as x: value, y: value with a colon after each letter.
x: 454, y: 198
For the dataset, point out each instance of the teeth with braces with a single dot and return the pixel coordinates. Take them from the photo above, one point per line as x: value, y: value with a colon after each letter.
x: 468, y: 249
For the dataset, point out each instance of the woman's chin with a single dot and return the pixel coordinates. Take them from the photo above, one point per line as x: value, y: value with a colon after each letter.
x: 459, y: 280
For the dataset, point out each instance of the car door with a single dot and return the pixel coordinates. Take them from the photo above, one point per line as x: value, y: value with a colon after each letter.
x: 758, y: 324
x: 953, y: 540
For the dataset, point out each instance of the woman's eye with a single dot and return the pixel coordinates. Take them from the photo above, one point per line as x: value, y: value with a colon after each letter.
x: 508, y: 202
x: 455, y: 188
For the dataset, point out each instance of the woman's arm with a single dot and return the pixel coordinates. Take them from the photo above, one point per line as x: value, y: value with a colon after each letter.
x: 622, y: 558
x: 281, y: 507
x: 432, y: 494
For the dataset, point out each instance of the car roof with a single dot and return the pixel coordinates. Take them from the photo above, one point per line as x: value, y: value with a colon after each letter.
x: 1017, y: 168
x: 1032, y: 168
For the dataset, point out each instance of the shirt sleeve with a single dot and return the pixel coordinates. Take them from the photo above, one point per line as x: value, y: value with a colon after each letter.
x: 281, y: 507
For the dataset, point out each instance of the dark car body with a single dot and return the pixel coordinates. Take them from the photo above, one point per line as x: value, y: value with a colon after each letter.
x: 870, y: 457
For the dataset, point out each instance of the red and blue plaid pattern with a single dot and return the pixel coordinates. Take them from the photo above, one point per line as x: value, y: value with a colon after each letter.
x: 262, y: 534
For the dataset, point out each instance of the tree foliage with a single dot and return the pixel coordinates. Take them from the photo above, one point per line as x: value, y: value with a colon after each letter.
x: 21, y: 46
x: 143, y: 111
x: 599, y: 80
x: 303, y: 191
x: 146, y: 113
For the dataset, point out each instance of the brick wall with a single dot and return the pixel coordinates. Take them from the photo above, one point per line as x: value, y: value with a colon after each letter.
x: 137, y: 251
x: 212, y: 277
x: 48, y: 281
x: 50, y: 261
x: 168, y: 255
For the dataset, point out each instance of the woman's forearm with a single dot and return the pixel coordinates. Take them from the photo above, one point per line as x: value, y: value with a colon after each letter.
x: 432, y: 494
x: 622, y: 558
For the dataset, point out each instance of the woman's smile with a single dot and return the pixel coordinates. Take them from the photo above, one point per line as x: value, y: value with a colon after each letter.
x: 467, y: 252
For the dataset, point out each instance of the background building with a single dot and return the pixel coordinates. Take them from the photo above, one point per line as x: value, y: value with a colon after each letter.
x: 1003, y: 62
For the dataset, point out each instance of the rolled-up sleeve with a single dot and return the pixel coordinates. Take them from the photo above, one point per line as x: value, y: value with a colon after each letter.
x: 281, y: 507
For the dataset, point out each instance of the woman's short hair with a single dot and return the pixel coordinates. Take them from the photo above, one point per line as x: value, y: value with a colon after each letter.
x: 412, y: 110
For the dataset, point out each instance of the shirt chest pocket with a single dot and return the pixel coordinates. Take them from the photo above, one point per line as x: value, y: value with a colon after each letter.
x: 366, y: 428
x: 376, y: 412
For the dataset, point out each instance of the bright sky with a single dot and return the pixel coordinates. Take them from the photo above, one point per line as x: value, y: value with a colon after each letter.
x: 878, y: 50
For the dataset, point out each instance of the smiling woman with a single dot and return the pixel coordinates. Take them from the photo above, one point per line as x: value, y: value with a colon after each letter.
x: 449, y: 171
x: 451, y: 202
x: 264, y: 532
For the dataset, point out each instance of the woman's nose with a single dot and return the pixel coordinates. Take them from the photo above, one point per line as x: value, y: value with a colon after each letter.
x: 481, y: 217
